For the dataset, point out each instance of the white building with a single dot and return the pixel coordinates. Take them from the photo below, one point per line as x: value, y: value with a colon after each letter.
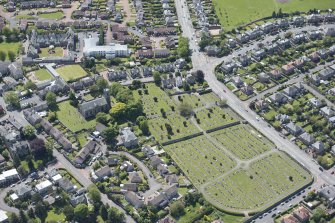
x: 44, y: 186
x: 3, y: 216
x: 8, y: 176
x: 91, y: 49
x: 56, y: 178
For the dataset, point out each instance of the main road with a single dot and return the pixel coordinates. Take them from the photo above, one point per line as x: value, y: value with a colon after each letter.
x: 202, y: 62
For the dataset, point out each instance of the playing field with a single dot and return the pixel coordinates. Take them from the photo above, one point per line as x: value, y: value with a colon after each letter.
x: 71, y: 72
x: 58, y: 52
x: 52, y: 15
x: 71, y: 118
x: 234, y: 13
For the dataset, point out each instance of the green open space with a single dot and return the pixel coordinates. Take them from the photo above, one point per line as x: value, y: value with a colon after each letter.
x: 6, y: 47
x: 71, y: 72
x: 52, y: 15
x: 56, y: 52
x: 214, y: 117
x: 265, y: 182
x: 243, y: 141
x: 55, y: 216
x: 71, y: 118
x: 43, y: 74
x: 234, y: 13
x: 200, y: 159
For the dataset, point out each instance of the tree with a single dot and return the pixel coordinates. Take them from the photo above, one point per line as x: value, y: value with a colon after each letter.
x: 185, y: 109
x: 101, y: 36
x: 102, y: 84
x: 199, y: 76
x: 94, y: 194
x: 30, y: 85
x: 73, y: 99
x: 177, y: 209
x: 134, y: 109
x: 81, y: 213
x: 2, y: 55
x: 68, y: 212
x: 183, y: 47
x: 37, y: 147
x: 124, y: 95
x: 118, y: 110
x: 102, y: 118
x: 115, y: 216
x: 51, y: 99
x: 23, y: 217
x: 13, y: 218
x: 11, y: 55
x: 29, y: 132
x: 103, y: 212
x: 144, y: 126
x: 41, y: 210
x: 110, y: 133
x: 319, y: 213
x: 31, y: 213
x: 12, y: 98
x: 157, y: 78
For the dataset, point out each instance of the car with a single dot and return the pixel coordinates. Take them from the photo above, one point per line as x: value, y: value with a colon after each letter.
x: 290, y: 205
x: 13, y: 185
x: 321, y: 169
x: 274, y: 215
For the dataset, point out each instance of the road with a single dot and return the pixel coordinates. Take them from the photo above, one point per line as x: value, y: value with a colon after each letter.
x: 202, y: 62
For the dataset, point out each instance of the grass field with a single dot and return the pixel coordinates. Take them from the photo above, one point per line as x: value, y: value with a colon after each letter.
x: 71, y: 72
x: 251, y: 146
x: 52, y: 15
x: 200, y: 159
x: 71, y: 118
x: 234, y: 13
x: 53, y: 216
x: 5, y: 47
x: 215, y: 117
x: 43, y: 74
x: 266, y: 181
x: 45, y: 52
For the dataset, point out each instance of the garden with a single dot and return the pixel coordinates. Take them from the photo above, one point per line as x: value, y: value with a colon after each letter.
x: 43, y: 74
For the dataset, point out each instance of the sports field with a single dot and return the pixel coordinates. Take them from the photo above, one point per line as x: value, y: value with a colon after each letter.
x: 71, y: 72
x: 233, y: 13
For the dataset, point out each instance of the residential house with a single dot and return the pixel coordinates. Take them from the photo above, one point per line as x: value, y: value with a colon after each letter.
x: 291, y: 91
x: 148, y: 151
x: 66, y: 185
x: 328, y: 193
x: 289, y: 219
x: 9, y: 176
x: 318, y: 147
x: 261, y: 104
x: 101, y: 173
x: 16, y: 70
x: 133, y: 199
x: 326, y: 74
x: 128, y: 138
x: 127, y: 166
x: 302, y: 214
x: 23, y: 191
x: 229, y: 67
x: 162, y: 169
x: 90, y: 148
x: 43, y: 187
x: 314, y: 57
x: 278, y: 98
x: 78, y: 199
x: 263, y: 77
x: 134, y: 177
x: 245, y: 60
x: 171, y: 179
x: 212, y: 51
x: 306, y: 138
x: 293, y: 129
x: 112, y: 161
x: 288, y: 68
x: 323, y: 53
x: 237, y: 81
x: 275, y: 74
x: 283, y: 118
x: 155, y: 161
x: 247, y: 89
x: 327, y: 112
x: 316, y: 103
x: 129, y: 187
x: 258, y: 54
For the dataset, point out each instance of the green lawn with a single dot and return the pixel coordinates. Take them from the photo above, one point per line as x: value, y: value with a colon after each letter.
x: 71, y: 118
x: 5, y: 47
x: 234, y: 13
x: 58, y: 51
x: 53, y: 15
x: 43, y: 74
x: 71, y: 72
x: 25, y: 17
x: 56, y: 217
